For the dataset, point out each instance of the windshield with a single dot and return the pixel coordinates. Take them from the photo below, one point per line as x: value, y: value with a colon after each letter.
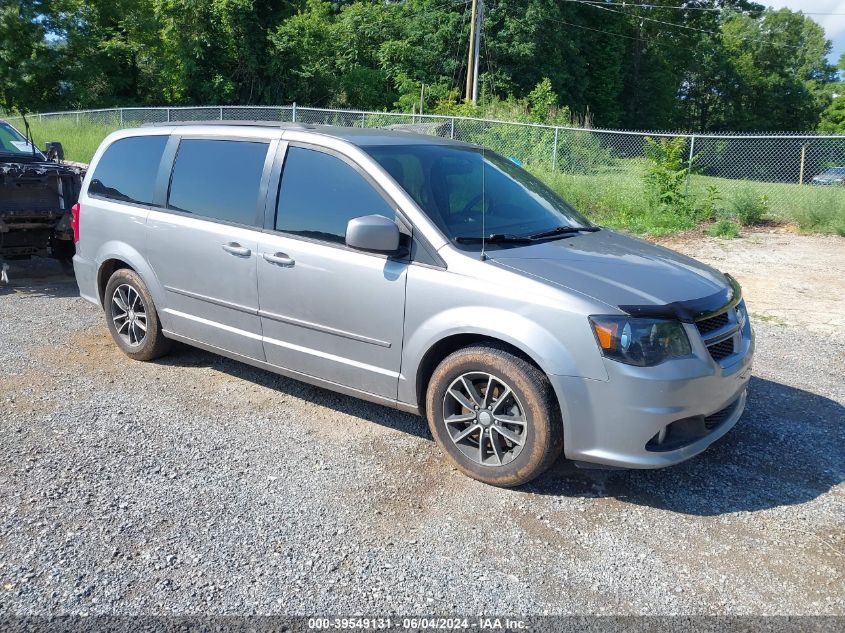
x: 13, y: 142
x: 468, y: 192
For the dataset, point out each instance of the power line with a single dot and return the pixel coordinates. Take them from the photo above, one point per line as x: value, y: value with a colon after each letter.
x: 679, y: 8
x: 581, y: 26
x: 459, y: 52
x: 647, y: 19
x: 673, y: 24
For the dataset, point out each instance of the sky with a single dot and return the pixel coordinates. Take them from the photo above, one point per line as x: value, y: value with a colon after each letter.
x: 834, y: 25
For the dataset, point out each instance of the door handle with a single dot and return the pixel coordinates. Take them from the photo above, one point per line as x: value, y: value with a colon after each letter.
x: 236, y: 249
x: 280, y: 259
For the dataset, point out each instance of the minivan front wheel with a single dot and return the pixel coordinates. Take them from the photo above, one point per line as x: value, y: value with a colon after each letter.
x: 132, y: 318
x: 495, y: 415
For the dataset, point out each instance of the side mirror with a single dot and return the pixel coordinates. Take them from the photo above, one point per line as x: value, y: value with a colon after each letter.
x: 373, y: 233
x: 53, y: 150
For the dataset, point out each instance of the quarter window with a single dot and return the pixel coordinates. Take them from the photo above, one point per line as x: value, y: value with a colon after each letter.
x: 128, y: 168
x: 320, y: 193
x: 218, y: 179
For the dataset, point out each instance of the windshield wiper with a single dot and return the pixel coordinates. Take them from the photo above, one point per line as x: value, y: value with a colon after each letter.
x: 564, y: 230
x: 28, y: 138
x: 495, y: 238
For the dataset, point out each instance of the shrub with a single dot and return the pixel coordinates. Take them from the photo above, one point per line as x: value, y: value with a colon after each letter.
x: 825, y: 216
x: 725, y: 228
x: 709, y: 207
x: 749, y: 208
x: 666, y: 172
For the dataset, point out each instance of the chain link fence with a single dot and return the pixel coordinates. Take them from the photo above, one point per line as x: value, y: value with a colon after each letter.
x: 787, y: 173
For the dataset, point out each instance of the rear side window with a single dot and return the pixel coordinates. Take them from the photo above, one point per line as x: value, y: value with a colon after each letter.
x: 218, y: 179
x: 128, y: 168
x: 320, y: 193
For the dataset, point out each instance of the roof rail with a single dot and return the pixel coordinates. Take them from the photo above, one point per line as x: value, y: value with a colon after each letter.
x: 235, y: 122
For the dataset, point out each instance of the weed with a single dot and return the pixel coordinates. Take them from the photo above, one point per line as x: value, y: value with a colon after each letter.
x: 725, y: 228
x: 709, y: 208
x: 824, y: 217
x: 666, y: 172
x: 749, y: 207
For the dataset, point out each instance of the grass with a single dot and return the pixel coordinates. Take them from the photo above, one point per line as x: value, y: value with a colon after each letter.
x: 618, y: 198
x: 614, y: 195
x: 814, y: 209
x: 79, y: 141
x: 826, y: 216
x: 725, y: 228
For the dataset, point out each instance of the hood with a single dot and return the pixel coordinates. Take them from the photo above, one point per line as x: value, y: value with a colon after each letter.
x: 621, y: 271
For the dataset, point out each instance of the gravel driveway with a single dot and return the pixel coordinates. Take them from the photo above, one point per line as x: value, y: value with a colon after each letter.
x: 197, y: 484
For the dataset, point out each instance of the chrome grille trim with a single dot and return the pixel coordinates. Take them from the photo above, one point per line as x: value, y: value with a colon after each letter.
x: 719, y: 333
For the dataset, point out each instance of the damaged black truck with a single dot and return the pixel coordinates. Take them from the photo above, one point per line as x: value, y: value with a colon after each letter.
x: 37, y: 191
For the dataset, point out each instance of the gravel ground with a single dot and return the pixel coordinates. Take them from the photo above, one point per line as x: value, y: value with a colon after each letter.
x: 199, y: 485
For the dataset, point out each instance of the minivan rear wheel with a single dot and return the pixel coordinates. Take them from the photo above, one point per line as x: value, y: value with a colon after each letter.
x: 132, y: 318
x: 495, y: 415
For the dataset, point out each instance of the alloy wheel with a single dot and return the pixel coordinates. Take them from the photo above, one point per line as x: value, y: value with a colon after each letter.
x: 484, y: 418
x: 129, y: 315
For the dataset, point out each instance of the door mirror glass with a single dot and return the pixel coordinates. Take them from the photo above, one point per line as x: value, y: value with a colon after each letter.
x: 373, y: 233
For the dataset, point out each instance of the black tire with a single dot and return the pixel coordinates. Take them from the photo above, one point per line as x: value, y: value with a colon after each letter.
x: 533, y: 396
x: 153, y: 343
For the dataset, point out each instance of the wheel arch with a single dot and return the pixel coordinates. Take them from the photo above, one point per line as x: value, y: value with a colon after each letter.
x: 114, y: 255
x: 447, y: 345
x: 104, y: 273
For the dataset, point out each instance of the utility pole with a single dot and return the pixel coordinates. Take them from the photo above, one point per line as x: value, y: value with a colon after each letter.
x: 422, y: 97
x: 477, y: 50
x: 472, y: 54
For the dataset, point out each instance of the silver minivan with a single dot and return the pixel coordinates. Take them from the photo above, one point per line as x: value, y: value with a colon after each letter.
x: 420, y: 273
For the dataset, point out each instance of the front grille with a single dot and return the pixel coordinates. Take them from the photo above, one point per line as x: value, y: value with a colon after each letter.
x: 712, y: 421
x: 718, y: 324
x: 705, y: 326
x: 722, y: 349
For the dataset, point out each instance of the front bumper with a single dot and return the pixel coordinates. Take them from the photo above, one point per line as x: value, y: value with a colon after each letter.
x: 611, y: 422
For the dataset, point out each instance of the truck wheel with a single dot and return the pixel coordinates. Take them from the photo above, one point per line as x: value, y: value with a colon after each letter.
x: 132, y: 318
x: 495, y: 415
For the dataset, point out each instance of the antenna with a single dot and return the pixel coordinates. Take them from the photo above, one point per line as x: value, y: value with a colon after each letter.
x: 483, y: 212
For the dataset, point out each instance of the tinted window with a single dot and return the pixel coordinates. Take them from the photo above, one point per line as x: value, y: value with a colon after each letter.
x: 218, y: 179
x: 320, y: 194
x: 127, y: 169
x: 467, y: 191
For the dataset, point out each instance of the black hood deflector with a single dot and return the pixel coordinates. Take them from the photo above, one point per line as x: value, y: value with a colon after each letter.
x: 694, y: 309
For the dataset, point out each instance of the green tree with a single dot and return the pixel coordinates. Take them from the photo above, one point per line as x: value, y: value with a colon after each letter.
x: 30, y: 70
x: 833, y: 119
x: 777, y: 74
x: 215, y: 51
x: 632, y: 65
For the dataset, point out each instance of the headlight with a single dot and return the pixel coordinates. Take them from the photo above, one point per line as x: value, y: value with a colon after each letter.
x: 641, y: 342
